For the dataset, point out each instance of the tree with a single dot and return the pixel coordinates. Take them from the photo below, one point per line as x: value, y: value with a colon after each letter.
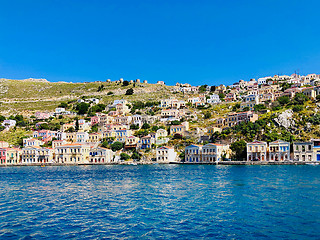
x: 135, y: 156
x: 236, y: 107
x: 2, y: 118
x: 125, y: 83
x: 285, y: 86
x: 138, y: 105
x: 100, y: 88
x: 129, y: 91
x: 240, y: 149
x: 283, y: 100
x: 105, y: 144
x: 94, y: 128
x: 315, y: 119
x: 212, y: 88
x: 97, y: 108
x: 245, y: 109
x: 116, y: 146
x: 134, y: 126
x: 44, y: 126
x: 63, y: 105
x: 124, y: 156
x: 77, y: 124
x: 154, y: 128
x: 207, y: 115
x: 300, y: 98
x: 259, y: 107
x: 110, y: 93
x: 141, y: 133
x: 175, y: 122
x: 203, y: 88
x: 145, y: 126
x: 71, y: 129
x: 82, y: 108
x: 177, y: 136
x: 182, y: 156
x: 297, y: 108
x: 221, y: 96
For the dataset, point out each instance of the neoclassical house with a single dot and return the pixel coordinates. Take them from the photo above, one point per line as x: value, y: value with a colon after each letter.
x: 213, y: 152
x: 279, y: 151
x: 257, y: 151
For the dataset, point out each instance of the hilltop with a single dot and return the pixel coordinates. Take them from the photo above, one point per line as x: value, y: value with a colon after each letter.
x: 30, y: 95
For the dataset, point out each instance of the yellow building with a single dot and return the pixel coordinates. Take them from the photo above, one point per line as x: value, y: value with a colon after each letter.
x: 74, y: 153
x: 13, y: 156
x: 94, y: 137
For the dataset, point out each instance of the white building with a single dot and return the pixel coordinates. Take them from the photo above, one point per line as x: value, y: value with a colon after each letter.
x: 249, y: 101
x: 32, y: 142
x: 263, y: 80
x: 166, y: 154
x: 60, y: 110
x: 9, y: 123
x: 82, y: 137
x: 101, y: 155
x: 36, y: 154
x: 214, y: 98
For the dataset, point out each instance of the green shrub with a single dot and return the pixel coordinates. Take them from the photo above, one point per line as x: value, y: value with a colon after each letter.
x: 124, y: 156
x: 297, y: 108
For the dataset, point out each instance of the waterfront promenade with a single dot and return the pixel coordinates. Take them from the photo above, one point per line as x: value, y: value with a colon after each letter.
x: 164, y: 163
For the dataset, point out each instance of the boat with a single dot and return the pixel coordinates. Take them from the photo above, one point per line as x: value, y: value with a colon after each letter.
x: 312, y: 164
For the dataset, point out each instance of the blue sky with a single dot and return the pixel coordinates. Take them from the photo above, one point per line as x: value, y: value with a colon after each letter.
x: 199, y: 42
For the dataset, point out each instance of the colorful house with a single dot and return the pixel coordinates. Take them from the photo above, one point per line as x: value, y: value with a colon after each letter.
x: 193, y: 153
x: 257, y: 151
x: 279, y: 151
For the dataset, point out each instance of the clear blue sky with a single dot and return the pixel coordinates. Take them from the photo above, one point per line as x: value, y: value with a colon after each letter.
x: 199, y: 42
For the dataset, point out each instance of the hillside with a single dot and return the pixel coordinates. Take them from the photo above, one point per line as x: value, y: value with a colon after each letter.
x: 29, y: 95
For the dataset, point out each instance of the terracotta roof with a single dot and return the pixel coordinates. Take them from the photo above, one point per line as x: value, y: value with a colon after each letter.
x: 71, y: 144
x: 257, y: 142
x: 166, y: 147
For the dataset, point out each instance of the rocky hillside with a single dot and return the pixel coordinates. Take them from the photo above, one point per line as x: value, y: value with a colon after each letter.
x: 29, y: 95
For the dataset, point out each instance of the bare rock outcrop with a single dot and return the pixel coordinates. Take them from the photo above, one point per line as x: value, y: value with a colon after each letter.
x: 285, y: 119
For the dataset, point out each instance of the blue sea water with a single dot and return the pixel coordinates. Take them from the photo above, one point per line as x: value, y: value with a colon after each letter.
x: 160, y: 202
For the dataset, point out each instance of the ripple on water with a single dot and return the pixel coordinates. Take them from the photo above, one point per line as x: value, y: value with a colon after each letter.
x: 160, y: 202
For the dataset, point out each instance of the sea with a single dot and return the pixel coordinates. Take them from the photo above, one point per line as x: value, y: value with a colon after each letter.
x: 160, y: 202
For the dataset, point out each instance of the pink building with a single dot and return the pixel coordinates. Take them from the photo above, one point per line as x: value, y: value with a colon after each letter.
x: 46, y: 135
x: 3, y: 154
x: 94, y: 120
